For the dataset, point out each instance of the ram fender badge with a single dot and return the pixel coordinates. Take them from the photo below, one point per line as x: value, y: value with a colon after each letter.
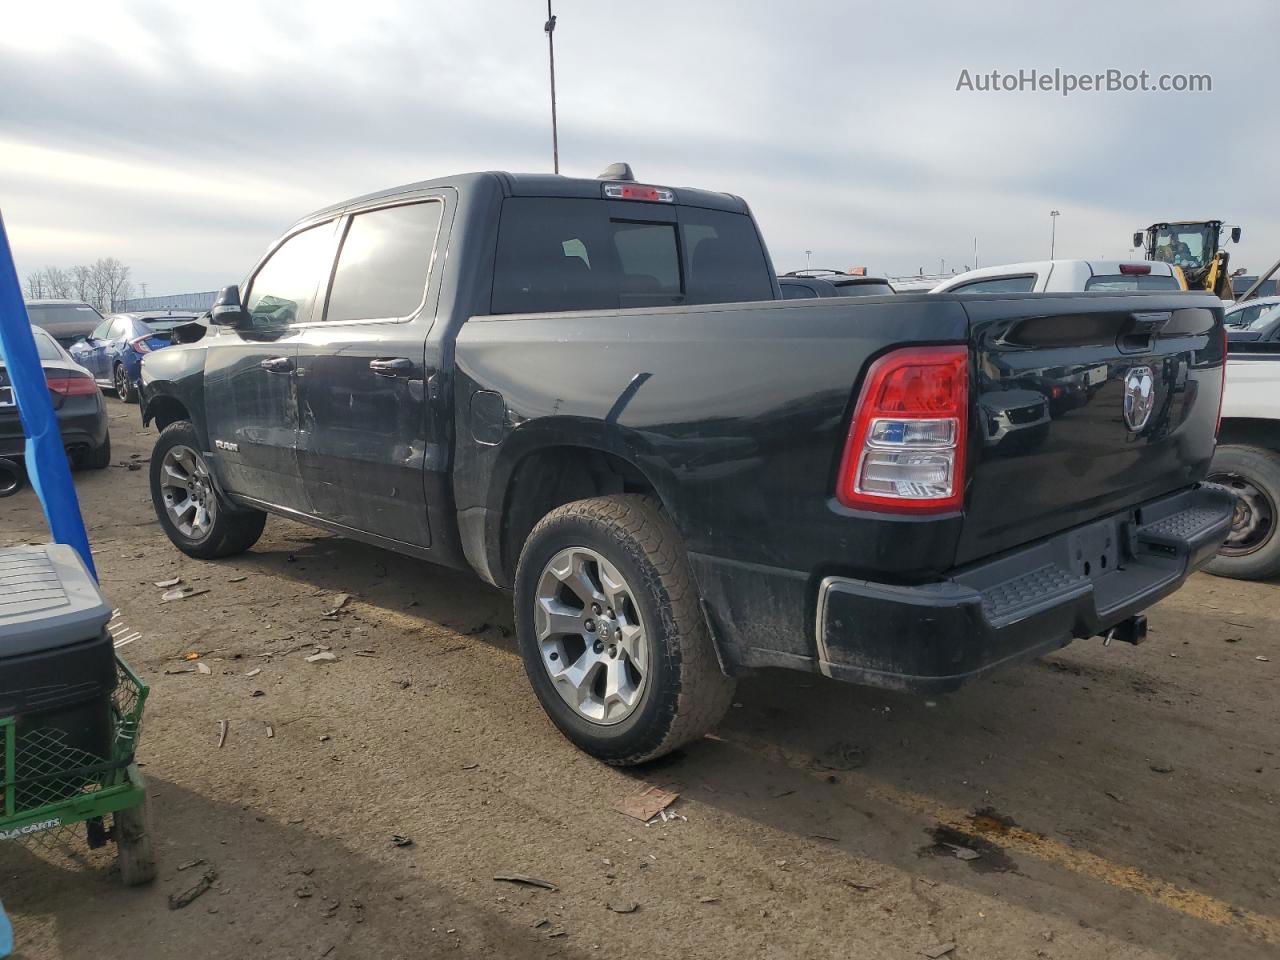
x: 227, y: 445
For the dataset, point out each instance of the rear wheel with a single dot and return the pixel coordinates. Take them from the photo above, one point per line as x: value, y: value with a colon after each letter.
x: 611, y: 633
x: 1252, y: 548
x: 196, y: 517
x: 125, y: 389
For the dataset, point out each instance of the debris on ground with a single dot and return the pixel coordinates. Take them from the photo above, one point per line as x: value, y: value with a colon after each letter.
x: 708, y: 899
x: 179, y: 900
x: 523, y: 880
x: 1161, y: 768
x: 191, y: 863
x: 254, y: 672
x: 223, y: 725
x: 271, y: 731
x: 962, y: 853
x: 941, y: 950
x: 396, y: 839
x: 340, y: 601
x: 470, y: 766
x: 623, y: 906
x: 239, y: 579
x: 172, y: 582
x: 646, y: 804
x: 540, y: 923
x: 842, y: 756
x: 1263, y: 659
x: 324, y: 656
x: 203, y: 668
x: 182, y: 593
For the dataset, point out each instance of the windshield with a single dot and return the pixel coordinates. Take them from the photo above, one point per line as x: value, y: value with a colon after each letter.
x: 1187, y: 246
x: 1264, y: 319
x: 64, y: 319
x: 45, y: 347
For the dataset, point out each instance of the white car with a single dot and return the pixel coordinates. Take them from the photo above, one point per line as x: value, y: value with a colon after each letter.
x: 1065, y: 276
x: 1248, y: 461
x: 1243, y: 316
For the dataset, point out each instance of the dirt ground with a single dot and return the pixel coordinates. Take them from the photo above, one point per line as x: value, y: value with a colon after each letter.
x: 1122, y: 801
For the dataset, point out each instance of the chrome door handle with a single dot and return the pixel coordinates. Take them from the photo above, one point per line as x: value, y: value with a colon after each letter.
x: 397, y: 367
x: 277, y: 365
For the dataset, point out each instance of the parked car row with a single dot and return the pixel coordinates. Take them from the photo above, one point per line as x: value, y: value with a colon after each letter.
x: 77, y: 402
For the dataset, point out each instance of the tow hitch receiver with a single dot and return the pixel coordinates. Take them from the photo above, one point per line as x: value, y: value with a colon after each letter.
x: 1133, y: 630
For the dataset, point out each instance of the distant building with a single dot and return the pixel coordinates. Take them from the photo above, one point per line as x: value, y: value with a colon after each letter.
x: 178, y: 301
x: 1241, y: 284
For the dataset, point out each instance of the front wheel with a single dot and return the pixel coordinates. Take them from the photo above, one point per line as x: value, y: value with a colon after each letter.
x: 125, y: 390
x: 1252, y: 548
x: 611, y: 633
x: 196, y: 517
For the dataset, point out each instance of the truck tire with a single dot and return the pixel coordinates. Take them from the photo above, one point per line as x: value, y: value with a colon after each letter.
x: 1252, y: 549
x: 611, y: 633
x: 195, y: 516
x: 125, y: 390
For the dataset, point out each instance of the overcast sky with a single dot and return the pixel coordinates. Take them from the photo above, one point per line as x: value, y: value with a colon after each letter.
x: 183, y: 137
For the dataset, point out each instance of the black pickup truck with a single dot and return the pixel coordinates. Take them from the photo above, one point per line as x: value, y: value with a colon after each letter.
x: 591, y: 393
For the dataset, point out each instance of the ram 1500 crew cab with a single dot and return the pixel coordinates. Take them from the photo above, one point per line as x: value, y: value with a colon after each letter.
x: 591, y: 393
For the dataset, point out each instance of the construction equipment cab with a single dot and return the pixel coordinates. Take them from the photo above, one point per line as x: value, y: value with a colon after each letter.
x: 1195, y: 248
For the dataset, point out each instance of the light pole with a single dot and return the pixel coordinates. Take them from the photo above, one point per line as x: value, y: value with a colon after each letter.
x: 807, y: 255
x: 1053, y: 231
x: 550, y: 28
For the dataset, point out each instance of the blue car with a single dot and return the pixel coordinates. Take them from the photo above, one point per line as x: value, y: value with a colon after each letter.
x: 113, y: 352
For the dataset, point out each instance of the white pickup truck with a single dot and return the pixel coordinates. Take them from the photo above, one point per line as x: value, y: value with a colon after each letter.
x: 1065, y: 276
x: 1248, y: 461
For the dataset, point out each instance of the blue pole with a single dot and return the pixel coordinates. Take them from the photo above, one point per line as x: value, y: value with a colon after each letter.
x: 46, y: 461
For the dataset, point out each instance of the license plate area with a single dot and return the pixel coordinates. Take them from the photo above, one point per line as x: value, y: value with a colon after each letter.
x: 1094, y: 551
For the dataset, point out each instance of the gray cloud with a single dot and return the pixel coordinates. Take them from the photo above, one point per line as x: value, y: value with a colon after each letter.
x: 187, y: 141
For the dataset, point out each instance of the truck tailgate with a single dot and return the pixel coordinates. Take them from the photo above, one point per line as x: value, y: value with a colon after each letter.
x: 1086, y: 404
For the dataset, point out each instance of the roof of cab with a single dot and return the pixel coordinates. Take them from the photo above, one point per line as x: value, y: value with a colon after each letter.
x: 535, y: 185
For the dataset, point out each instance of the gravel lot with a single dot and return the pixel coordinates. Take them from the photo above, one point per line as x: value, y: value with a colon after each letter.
x: 1122, y: 801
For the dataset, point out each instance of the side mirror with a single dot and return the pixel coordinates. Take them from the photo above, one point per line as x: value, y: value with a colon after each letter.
x: 1138, y: 240
x: 1235, y: 234
x: 227, y: 311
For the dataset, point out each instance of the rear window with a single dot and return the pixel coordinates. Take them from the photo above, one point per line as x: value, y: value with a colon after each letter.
x: 165, y: 324
x: 1123, y: 281
x: 797, y: 291
x: 1023, y: 283
x: 64, y: 319
x: 45, y: 346
x: 570, y: 254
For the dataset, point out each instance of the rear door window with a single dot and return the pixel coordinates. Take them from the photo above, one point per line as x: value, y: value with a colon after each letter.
x: 383, y: 263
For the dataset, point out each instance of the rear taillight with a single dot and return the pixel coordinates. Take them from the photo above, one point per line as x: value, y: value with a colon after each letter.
x: 140, y: 345
x: 905, y: 452
x: 71, y: 386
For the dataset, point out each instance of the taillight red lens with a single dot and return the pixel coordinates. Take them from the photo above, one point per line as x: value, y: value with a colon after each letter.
x: 905, y: 450
x: 632, y: 191
x: 140, y: 345
x: 71, y: 386
x: 1135, y: 268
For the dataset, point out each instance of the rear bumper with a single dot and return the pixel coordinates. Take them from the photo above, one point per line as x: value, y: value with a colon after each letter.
x: 1032, y: 600
x: 82, y: 421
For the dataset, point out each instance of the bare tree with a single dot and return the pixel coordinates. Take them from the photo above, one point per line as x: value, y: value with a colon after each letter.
x: 82, y: 282
x: 35, y: 285
x: 57, y: 282
x: 110, y: 283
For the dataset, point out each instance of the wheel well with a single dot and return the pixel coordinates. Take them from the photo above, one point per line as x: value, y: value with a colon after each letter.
x: 166, y: 410
x: 1250, y: 431
x: 553, y: 477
